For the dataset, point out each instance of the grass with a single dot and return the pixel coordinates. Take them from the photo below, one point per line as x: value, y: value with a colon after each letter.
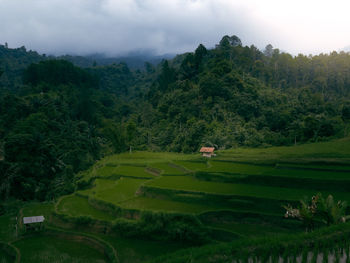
x: 5, y: 258
x: 38, y: 209
x: 189, y: 183
x: 139, y: 250
x: 133, y: 171
x: 7, y: 227
x: 250, y: 230
x: 106, y: 171
x: 319, y: 166
x: 74, y: 205
x: 155, y: 204
x: 250, y: 197
x: 168, y: 168
x: 142, y: 158
x: 114, y: 191
x: 195, y: 165
x: 333, y: 151
x: 43, y: 249
x: 117, y: 191
x: 249, y: 169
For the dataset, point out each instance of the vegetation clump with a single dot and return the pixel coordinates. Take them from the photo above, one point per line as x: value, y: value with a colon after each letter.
x: 326, y: 210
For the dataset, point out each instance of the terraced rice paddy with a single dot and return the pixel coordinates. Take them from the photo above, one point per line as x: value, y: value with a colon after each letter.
x: 156, y: 204
x: 187, y: 183
x: 117, y: 191
x: 169, y: 168
x: 238, y: 192
x: 43, y: 249
x: 177, y: 176
x: 75, y: 206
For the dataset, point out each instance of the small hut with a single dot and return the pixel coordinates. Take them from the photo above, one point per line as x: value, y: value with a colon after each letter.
x: 207, y: 152
x: 33, y: 221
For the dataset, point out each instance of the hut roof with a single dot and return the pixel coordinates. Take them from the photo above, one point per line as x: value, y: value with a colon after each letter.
x: 33, y: 219
x: 207, y: 150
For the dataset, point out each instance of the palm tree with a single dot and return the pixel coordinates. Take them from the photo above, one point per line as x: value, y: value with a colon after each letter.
x: 329, y: 211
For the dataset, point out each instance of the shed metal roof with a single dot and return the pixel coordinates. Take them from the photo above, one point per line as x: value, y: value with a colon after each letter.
x: 207, y: 150
x: 33, y: 219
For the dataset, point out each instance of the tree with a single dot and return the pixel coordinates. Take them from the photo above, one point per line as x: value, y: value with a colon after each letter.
x: 268, y: 50
x: 329, y: 211
x: 228, y: 41
x: 167, y: 76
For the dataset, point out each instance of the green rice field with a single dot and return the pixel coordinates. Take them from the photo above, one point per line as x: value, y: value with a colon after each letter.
x: 74, y: 205
x: 237, y: 194
x: 43, y: 249
x: 154, y: 204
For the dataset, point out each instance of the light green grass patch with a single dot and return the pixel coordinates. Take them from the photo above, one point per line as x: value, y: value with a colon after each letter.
x: 106, y: 171
x: 43, y: 249
x: 74, y: 205
x: 117, y: 191
x: 87, y: 192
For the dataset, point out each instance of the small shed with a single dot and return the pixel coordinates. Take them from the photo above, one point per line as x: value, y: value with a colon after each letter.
x: 207, y: 152
x: 32, y: 221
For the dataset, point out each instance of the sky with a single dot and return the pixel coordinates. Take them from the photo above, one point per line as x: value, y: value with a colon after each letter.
x: 116, y: 27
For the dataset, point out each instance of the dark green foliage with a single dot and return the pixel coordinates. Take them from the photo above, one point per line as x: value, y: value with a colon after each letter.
x: 57, y: 72
x: 52, y: 131
x: 245, y: 97
x: 61, y: 118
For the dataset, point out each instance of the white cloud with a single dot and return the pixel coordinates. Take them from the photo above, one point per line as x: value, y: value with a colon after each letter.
x: 119, y: 26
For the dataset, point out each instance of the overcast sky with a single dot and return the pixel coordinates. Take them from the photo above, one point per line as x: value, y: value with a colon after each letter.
x: 172, y: 26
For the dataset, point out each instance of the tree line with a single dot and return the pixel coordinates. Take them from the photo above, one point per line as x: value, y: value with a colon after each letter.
x: 56, y: 119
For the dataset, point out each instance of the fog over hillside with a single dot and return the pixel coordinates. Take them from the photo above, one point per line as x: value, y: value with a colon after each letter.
x: 116, y: 27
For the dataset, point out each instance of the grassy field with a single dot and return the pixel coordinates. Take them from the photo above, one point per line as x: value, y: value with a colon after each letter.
x: 168, y: 168
x: 4, y: 258
x: 142, y: 158
x: 155, y: 204
x: 194, y: 165
x: 250, y: 169
x: 43, y: 249
x: 188, y: 183
x: 38, y: 209
x: 133, y: 171
x: 132, y: 250
x: 74, y: 205
x: 7, y: 227
x: 117, y: 191
x: 240, y: 191
x: 336, y: 151
x: 251, y: 230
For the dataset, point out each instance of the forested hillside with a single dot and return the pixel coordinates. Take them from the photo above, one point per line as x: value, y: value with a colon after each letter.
x: 57, y: 119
